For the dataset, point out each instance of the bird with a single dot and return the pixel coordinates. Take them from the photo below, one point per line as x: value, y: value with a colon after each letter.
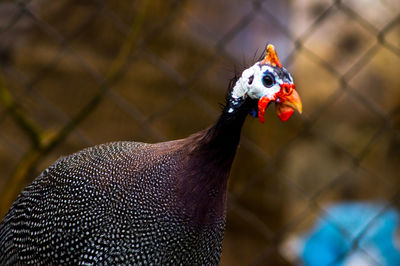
x: 136, y: 203
x: 352, y: 233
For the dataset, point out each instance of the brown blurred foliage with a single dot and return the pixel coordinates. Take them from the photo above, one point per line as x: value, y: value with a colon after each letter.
x: 80, y: 73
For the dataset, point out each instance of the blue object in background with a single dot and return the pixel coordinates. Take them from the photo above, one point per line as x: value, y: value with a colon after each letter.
x: 330, y: 242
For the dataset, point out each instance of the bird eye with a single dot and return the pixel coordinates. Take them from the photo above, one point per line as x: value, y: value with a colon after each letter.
x: 268, y: 80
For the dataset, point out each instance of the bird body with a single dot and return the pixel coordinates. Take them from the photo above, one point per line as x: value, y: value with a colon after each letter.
x: 130, y: 202
x: 84, y: 208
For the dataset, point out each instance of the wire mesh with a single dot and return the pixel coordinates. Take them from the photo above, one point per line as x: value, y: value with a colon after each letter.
x: 80, y: 73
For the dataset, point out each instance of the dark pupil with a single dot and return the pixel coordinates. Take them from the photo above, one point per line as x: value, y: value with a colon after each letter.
x: 268, y: 80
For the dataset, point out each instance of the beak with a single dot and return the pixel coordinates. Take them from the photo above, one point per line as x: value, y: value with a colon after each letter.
x: 287, y: 100
x: 287, y: 104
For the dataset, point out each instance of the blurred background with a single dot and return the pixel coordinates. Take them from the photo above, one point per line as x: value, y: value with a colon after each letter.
x: 80, y: 73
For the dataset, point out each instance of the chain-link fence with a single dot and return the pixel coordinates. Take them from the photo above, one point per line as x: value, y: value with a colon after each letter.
x: 79, y: 73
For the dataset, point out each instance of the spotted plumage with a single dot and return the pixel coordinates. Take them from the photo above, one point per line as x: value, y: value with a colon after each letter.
x: 113, y: 203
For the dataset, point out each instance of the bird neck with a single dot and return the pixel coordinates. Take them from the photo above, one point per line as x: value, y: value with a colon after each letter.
x: 220, y: 141
x: 208, y: 159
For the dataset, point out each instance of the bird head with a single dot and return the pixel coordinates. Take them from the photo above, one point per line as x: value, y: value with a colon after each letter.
x: 267, y: 81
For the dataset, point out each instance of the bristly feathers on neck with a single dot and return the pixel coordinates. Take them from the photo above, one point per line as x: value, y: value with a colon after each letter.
x: 222, y: 138
x: 234, y: 112
x: 212, y: 151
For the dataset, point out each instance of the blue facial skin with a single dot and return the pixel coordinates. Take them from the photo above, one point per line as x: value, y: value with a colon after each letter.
x: 280, y: 74
x: 268, y: 79
x: 253, y: 113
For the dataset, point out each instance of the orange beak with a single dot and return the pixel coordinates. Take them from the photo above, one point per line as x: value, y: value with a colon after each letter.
x: 287, y: 104
x: 287, y: 100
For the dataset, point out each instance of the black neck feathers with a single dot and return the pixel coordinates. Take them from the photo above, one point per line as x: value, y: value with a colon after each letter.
x: 221, y: 139
x: 208, y: 157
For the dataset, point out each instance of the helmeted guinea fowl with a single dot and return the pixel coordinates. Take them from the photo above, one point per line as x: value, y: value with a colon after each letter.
x: 130, y: 202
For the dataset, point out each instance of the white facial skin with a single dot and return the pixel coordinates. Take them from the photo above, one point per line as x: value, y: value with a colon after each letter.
x: 256, y: 89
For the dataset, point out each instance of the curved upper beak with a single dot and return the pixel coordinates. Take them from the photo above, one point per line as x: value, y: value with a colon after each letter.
x: 286, y: 103
x: 291, y: 100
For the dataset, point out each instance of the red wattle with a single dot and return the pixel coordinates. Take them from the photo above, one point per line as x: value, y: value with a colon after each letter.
x: 284, y: 112
x: 262, y: 105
